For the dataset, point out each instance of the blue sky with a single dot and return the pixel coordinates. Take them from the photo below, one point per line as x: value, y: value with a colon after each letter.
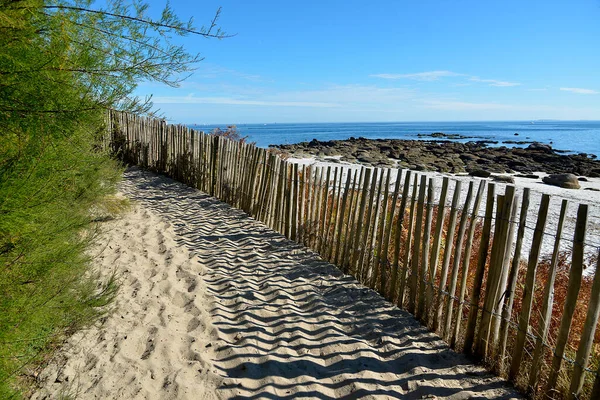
x: 346, y: 61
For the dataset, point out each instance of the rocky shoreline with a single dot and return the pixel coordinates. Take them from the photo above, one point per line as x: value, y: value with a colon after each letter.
x: 447, y: 156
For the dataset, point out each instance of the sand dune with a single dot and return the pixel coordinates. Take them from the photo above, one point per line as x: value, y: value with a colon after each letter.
x: 215, y: 305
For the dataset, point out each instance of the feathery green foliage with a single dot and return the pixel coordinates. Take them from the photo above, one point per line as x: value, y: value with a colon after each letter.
x: 62, y: 64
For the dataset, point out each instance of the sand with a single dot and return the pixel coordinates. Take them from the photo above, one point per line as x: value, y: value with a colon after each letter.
x: 213, y: 304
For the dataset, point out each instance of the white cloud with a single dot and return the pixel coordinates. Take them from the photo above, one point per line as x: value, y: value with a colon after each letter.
x: 420, y: 76
x: 234, y: 101
x: 579, y: 90
x: 494, y: 82
x: 431, y: 76
x: 464, y: 106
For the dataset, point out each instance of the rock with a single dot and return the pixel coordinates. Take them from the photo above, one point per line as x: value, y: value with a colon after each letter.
x: 567, y: 181
x: 503, y: 178
x: 516, y: 134
x: 468, y: 157
x: 545, y: 148
x: 582, y: 179
x: 480, y: 173
x: 528, y: 176
x: 314, y: 143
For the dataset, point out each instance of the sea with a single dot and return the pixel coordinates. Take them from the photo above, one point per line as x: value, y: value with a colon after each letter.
x: 568, y: 136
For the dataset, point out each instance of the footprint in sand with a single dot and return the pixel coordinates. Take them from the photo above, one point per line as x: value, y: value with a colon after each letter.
x: 194, y: 324
x: 150, y: 343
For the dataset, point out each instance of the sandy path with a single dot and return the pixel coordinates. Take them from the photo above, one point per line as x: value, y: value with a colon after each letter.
x: 215, y: 305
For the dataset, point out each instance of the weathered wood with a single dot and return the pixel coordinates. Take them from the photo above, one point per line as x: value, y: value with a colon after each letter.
x: 424, y: 282
x: 479, y: 272
x: 435, y: 250
x: 318, y: 194
x: 439, y: 305
x: 354, y: 267
x: 378, y: 268
x: 497, y: 273
x: 310, y: 178
x: 462, y: 227
x: 466, y: 262
x: 534, y: 254
x: 370, y: 248
x: 336, y: 219
x: 575, y: 277
x: 296, y: 198
x: 326, y: 250
x: 398, y: 238
x: 501, y: 293
x: 289, y: 186
x: 547, y: 303
x: 301, y: 205
x: 512, y: 281
x: 388, y: 232
x: 322, y: 218
x: 364, y: 271
x: 342, y: 213
x: 582, y: 358
x: 407, y: 253
x: 350, y: 219
x: 414, y: 277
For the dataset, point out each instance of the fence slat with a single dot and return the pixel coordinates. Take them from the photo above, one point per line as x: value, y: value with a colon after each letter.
x: 547, y: 303
x: 414, y: 281
x: 582, y: 357
x: 439, y: 305
x: 462, y: 227
x: 479, y: 272
x: 398, y: 238
x: 407, y: 254
x: 388, y: 232
x: 529, y: 287
x: 371, y: 247
x: 354, y: 267
x: 422, y: 313
x: 512, y: 281
x: 575, y: 276
x: 336, y: 217
x: 342, y: 213
x: 379, y: 270
x: 466, y: 262
x: 328, y: 225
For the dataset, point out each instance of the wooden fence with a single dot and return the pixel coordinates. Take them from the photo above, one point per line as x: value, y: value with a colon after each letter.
x: 457, y: 266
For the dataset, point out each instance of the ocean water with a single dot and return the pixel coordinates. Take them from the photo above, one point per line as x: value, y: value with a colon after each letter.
x: 571, y: 136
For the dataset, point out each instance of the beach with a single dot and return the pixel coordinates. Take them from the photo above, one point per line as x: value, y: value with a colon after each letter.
x: 356, y: 153
x: 213, y: 304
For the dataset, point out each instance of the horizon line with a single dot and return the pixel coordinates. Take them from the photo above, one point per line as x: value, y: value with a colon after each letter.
x: 391, y: 122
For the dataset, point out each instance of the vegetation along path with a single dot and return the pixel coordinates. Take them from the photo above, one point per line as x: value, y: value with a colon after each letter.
x: 215, y: 305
